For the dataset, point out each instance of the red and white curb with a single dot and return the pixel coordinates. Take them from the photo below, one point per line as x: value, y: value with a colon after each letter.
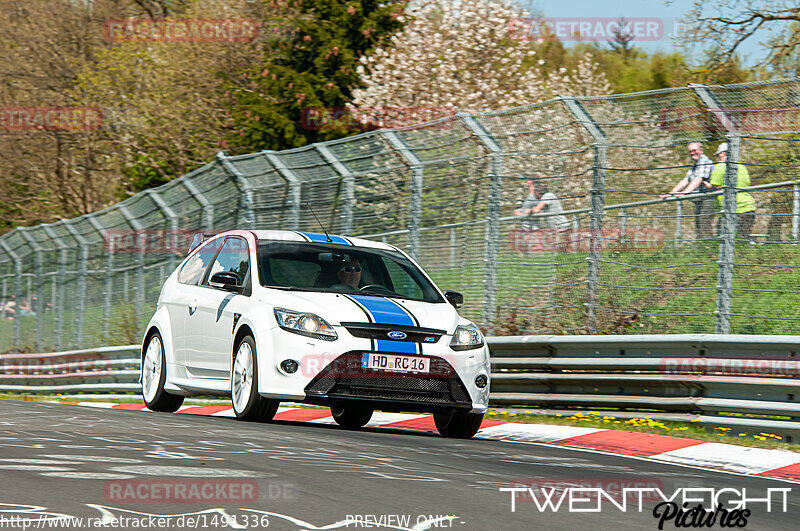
x: 729, y: 457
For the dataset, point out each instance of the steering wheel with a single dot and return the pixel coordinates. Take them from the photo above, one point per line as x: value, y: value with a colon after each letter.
x: 370, y: 286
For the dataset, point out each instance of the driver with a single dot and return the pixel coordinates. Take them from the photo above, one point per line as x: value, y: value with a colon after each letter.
x: 350, y: 273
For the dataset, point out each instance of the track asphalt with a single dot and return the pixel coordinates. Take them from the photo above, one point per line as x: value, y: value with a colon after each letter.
x: 679, y: 450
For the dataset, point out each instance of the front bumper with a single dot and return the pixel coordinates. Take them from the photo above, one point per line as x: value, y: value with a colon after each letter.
x: 327, y: 377
x: 345, y: 380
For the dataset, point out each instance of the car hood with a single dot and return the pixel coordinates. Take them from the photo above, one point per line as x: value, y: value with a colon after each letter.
x: 337, y: 308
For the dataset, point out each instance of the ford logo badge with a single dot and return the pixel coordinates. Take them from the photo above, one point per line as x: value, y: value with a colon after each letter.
x: 396, y: 334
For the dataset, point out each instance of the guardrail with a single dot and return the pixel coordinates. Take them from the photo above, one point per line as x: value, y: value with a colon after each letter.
x: 108, y: 369
x: 743, y: 382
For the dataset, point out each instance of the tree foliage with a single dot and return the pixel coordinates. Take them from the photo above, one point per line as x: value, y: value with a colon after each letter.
x: 315, y: 67
x: 165, y: 101
x: 465, y: 56
x: 729, y: 23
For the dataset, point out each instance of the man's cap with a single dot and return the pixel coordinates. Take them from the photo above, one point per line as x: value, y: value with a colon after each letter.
x: 722, y: 147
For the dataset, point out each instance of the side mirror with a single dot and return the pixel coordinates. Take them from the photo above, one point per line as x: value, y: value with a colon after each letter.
x: 454, y: 298
x: 229, y: 281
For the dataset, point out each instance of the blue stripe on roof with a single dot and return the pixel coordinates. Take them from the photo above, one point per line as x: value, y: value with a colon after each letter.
x: 384, y: 311
x: 400, y: 347
x: 321, y: 238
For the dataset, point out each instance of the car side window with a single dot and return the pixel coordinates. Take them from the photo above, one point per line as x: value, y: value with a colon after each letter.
x: 299, y: 273
x: 233, y: 257
x: 192, y: 270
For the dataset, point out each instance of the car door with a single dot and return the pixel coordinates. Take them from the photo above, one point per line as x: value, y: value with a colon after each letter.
x: 209, y: 330
x: 178, y: 298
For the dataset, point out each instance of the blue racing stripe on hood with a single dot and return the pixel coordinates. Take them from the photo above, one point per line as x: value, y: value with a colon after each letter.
x: 321, y: 238
x: 402, y: 347
x: 384, y: 311
x: 388, y: 312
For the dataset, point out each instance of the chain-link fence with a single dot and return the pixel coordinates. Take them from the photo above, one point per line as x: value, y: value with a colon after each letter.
x: 617, y: 258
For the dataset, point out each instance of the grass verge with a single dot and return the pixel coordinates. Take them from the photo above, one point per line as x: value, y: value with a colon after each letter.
x: 646, y: 424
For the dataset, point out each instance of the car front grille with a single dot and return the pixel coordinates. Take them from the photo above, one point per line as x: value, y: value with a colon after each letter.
x: 414, y: 334
x: 345, y: 378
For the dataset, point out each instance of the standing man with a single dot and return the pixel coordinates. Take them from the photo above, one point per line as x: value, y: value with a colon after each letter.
x: 527, y: 205
x: 698, y: 180
x: 745, y: 204
x: 550, y: 204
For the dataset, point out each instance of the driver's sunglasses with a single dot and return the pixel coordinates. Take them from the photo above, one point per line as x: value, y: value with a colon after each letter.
x: 350, y: 269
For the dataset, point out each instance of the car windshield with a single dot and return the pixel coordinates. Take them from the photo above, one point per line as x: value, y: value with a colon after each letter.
x: 339, y: 269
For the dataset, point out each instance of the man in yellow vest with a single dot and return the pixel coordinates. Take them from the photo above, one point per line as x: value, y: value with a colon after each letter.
x: 745, y: 204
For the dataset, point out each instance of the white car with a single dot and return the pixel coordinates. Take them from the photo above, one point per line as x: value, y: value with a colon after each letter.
x: 356, y: 325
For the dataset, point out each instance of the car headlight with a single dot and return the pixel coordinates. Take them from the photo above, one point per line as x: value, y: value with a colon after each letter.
x: 466, y: 337
x: 305, y: 324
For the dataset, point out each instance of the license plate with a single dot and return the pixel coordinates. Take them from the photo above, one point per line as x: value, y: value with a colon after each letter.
x: 395, y: 362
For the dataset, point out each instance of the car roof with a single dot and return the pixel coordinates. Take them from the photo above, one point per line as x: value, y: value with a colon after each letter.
x: 300, y: 236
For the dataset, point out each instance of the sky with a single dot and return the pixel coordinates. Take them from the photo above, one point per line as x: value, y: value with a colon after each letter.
x: 653, y: 12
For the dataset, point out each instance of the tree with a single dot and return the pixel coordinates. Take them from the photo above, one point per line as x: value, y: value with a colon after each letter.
x: 165, y: 101
x: 621, y: 43
x: 272, y: 105
x: 48, y: 172
x: 729, y: 23
x: 466, y: 56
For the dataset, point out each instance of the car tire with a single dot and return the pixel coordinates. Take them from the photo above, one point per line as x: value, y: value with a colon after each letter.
x: 458, y: 424
x: 154, y: 374
x: 247, y: 403
x: 351, y: 417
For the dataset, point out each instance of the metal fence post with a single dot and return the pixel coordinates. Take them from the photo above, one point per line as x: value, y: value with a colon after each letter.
x: 417, y: 176
x: 138, y: 276
x: 349, y: 183
x: 109, y: 280
x: 60, y: 280
x: 728, y: 235
x: 247, y: 218
x: 205, y: 204
x: 172, y: 219
x: 678, y: 220
x: 37, y: 273
x: 17, y: 288
x: 728, y: 222
x: 624, y: 222
x: 493, y: 225
x: 453, y: 243
x: 82, y: 272
x: 295, y: 191
x: 600, y: 147
x: 796, y: 212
